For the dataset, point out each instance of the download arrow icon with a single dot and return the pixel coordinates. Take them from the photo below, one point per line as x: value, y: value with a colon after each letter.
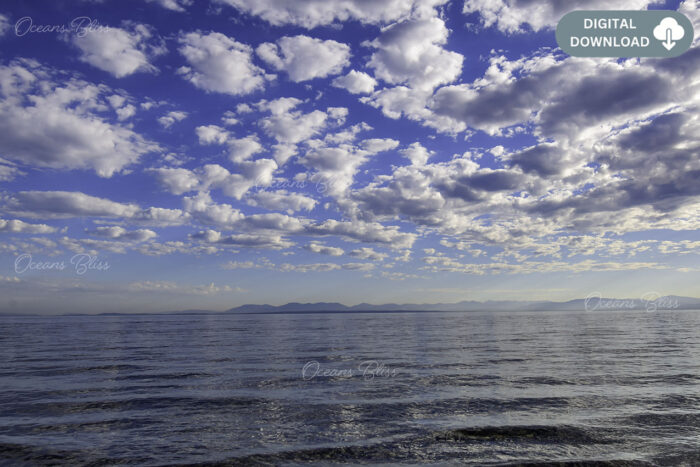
x: 668, y: 31
x: 668, y: 43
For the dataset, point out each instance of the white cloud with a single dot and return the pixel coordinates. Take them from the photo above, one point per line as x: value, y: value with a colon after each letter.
x: 511, y: 16
x: 417, y: 154
x: 169, y: 119
x: 69, y: 204
x: 179, y: 289
x: 178, y: 180
x: 268, y: 241
x: 312, y: 13
x: 305, y: 58
x: 8, y: 171
x: 369, y: 232
x: 160, y: 217
x: 691, y: 9
x: 4, y: 24
x: 220, y: 64
x: 249, y: 174
x: 358, y: 266
x: 229, y: 118
x: 335, y: 167
x: 118, y: 51
x: 203, y: 209
x: 126, y: 112
x: 211, y: 134
x: 314, y: 267
x: 240, y: 265
x: 54, y: 124
x: 242, y: 149
x: 290, y: 126
x: 282, y: 200
x: 18, y: 226
x: 410, y: 52
x: 368, y: 253
x: 174, y: 5
x: 58, y: 204
x: 356, y: 82
x: 316, y: 247
x: 377, y: 145
x: 120, y: 233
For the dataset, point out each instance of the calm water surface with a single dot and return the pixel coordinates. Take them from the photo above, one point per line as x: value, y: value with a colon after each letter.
x: 425, y: 388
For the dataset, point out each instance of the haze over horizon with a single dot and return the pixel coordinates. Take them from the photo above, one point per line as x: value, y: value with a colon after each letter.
x: 171, y: 154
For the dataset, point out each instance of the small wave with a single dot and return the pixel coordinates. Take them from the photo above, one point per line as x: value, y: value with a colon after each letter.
x: 19, y: 455
x: 145, y: 403
x: 545, y: 433
x: 438, y: 446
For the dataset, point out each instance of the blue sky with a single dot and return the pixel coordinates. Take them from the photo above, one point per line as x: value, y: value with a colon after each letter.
x: 207, y: 154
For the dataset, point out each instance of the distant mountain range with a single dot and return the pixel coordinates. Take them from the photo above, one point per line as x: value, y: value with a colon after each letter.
x: 649, y: 302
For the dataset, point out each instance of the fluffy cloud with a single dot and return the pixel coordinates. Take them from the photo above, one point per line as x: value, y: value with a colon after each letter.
x: 68, y: 204
x: 204, y: 210
x: 8, y: 170
x: 160, y: 217
x: 179, y: 289
x: 377, y: 145
x: 169, y: 119
x: 57, y: 204
x: 356, y: 82
x: 270, y: 241
x: 316, y: 247
x: 120, y: 52
x: 290, y: 126
x: 313, y: 267
x: 178, y: 181
x: 608, y: 161
x: 242, y: 149
x: 59, y: 124
x: 219, y: 64
x: 4, y: 24
x: 120, y: 233
x: 368, y: 253
x: 250, y: 174
x: 174, y: 5
x: 305, y: 58
x: 368, y: 232
x: 417, y: 154
x: 312, y: 13
x: 410, y: 52
x: 334, y: 168
x: 511, y: 16
x: 282, y: 200
x: 18, y: 226
x: 211, y: 134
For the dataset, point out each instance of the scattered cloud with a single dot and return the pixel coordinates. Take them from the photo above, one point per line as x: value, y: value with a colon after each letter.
x: 169, y: 119
x: 121, y: 52
x: 218, y: 63
x: 356, y: 82
x: 313, y: 13
x: 304, y: 57
x: 48, y: 121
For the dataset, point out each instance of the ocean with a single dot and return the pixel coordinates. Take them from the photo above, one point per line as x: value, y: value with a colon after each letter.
x: 500, y: 388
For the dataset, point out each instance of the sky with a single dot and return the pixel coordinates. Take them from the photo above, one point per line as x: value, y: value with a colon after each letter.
x: 203, y: 154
